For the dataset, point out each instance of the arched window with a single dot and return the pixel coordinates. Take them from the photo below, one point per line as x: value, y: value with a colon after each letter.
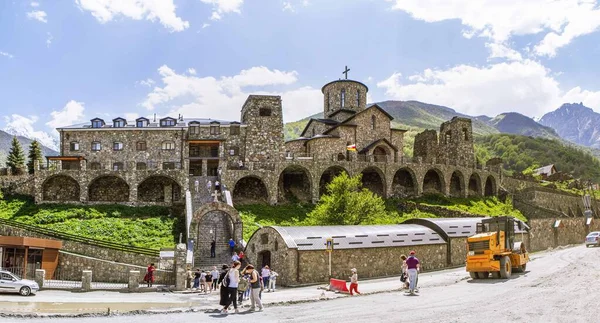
x: 448, y: 137
x: 343, y: 97
x: 465, y: 134
x: 313, y: 132
x: 358, y: 98
x: 373, y: 122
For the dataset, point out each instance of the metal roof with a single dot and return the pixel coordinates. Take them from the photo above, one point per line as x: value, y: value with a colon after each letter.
x: 450, y: 227
x: 459, y: 227
x: 358, y: 236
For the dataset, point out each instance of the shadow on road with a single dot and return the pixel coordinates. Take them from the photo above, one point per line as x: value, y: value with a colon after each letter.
x: 492, y: 281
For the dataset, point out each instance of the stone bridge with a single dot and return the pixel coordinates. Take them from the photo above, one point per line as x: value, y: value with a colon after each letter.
x: 305, y: 180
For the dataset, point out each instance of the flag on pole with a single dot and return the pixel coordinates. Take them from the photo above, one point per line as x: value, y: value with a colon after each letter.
x: 351, y: 148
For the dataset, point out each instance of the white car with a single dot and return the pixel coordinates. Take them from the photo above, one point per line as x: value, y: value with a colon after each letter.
x: 11, y: 283
x: 592, y: 239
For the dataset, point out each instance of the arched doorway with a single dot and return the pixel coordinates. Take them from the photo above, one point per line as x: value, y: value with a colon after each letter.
x: 108, y: 188
x: 490, y: 186
x: 219, y: 222
x: 250, y: 190
x: 373, y: 180
x: 432, y: 182
x: 158, y: 188
x: 380, y: 154
x: 264, y: 258
x: 294, y: 185
x: 474, y: 185
x: 403, y: 185
x: 456, y: 184
x: 328, y: 176
x: 60, y: 188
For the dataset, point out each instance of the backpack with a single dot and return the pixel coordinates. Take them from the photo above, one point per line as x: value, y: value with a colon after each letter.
x: 243, y: 285
x: 226, y: 280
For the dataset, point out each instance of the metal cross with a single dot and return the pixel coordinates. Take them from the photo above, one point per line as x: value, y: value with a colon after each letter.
x: 346, y: 70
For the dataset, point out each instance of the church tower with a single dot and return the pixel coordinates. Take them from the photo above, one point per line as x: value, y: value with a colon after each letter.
x: 343, y: 98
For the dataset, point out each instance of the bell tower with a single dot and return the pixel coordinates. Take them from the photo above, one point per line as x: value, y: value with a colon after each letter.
x: 343, y: 98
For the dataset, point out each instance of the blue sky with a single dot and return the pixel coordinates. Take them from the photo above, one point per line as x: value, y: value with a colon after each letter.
x: 64, y: 62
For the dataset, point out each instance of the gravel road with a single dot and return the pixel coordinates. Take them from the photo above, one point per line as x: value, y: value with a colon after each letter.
x: 559, y: 286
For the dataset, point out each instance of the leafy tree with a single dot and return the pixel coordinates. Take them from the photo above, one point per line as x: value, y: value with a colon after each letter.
x: 16, y: 158
x: 347, y: 203
x: 35, y: 153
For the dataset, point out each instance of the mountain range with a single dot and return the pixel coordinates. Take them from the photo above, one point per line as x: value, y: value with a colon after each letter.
x: 6, y: 141
x: 415, y: 115
x: 575, y: 123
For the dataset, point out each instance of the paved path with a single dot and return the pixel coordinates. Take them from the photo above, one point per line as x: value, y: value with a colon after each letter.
x: 559, y: 286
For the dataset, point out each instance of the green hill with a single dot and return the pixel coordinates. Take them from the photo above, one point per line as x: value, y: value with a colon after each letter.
x: 521, y: 152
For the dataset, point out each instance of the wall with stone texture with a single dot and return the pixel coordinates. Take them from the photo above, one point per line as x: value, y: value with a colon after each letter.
x: 283, y: 260
x: 455, y: 142
x: 369, y: 262
x: 332, y: 99
x: 397, y: 139
x: 567, y: 203
x: 295, y: 146
x: 426, y: 146
x: 264, y: 134
x: 315, y: 128
x: 18, y: 184
x: 543, y: 235
x: 85, y: 249
x: 365, y: 135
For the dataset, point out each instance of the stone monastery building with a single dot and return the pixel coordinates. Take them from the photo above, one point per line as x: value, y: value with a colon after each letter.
x: 155, y: 161
x: 147, y: 161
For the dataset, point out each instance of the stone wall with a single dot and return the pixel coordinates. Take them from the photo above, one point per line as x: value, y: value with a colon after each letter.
x: 18, y: 184
x: 567, y: 203
x: 544, y: 235
x: 426, y: 146
x: 283, y: 260
x: 85, y: 249
x: 264, y: 133
x: 332, y: 98
x: 455, y: 143
x: 61, y: 188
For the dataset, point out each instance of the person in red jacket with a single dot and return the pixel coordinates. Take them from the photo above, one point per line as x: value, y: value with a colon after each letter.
x: 149, y: 277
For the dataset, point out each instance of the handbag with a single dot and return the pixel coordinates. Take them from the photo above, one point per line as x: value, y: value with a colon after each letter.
x: 403, y: 278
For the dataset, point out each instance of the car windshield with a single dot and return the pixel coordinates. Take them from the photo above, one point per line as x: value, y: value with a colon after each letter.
x: 593, y: 234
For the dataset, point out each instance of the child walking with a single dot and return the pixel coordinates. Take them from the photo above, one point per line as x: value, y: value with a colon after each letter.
x: 354, y: 282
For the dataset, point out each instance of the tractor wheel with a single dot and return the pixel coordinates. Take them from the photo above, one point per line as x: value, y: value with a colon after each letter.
x: 505, y: 267
x: 523, y: 267
x: 473, y: 275
x: 483, y: 275
x: 496, y: 274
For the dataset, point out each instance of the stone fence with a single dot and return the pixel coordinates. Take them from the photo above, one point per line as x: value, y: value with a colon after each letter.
x: 17, y: 184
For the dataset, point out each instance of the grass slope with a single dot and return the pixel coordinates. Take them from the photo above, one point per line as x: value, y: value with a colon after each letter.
x: 147, y: 227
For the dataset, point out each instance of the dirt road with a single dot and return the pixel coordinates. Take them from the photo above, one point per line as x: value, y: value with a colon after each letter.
x: 559, y: 286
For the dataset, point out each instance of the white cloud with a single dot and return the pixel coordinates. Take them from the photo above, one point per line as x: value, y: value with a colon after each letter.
x: 49, y: 40
x: 23, y: 126
x: 503, y: 51
x: 524, y: 86
x: 163, y: 10
x: 5, y: 54
x: 562, y: 21
x: 221, y: 7
x: 222, y: 98
x: 147, y: 82
x: 37, y: 15
x: 71, y: 113
x: 287, y: 6
x: 191, y: 71
x: 205, y: 25
x: 35, y: 4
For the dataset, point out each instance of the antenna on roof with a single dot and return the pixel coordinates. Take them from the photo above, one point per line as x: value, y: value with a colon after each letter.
x: 154, y: 118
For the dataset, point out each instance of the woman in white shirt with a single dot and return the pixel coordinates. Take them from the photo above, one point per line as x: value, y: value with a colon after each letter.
x: 232, y: 280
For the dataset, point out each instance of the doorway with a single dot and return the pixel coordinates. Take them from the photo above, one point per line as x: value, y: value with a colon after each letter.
x: 264, y: 258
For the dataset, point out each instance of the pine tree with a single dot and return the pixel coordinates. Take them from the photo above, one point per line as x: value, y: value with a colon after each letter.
x: 16, y: 158
x: 35, y: 153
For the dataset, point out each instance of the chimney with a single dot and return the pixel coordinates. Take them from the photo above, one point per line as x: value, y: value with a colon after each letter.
x: 154, y: 118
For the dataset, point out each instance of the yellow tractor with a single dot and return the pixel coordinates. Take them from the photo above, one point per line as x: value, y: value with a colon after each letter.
x: 493, y: 249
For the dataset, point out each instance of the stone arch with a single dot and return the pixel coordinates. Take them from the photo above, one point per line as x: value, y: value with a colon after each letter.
x: 295, y: 184
x: 158, y: 188
x: 60, y: 188
x: 217, y: 221
x: 433, y: 182
x: 108, y: 188
x: 457, y: 186
x: 380, y: 153
x: 250, y: 190
x: 373, y: 179
x: 490, y: 186
x: 328, y: 176
x: 404, y: 183
x: 474, y: 188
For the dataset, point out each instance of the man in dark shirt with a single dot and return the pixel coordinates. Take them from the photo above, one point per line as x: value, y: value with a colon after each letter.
x: 413, y: 266
x: 213, y: 246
